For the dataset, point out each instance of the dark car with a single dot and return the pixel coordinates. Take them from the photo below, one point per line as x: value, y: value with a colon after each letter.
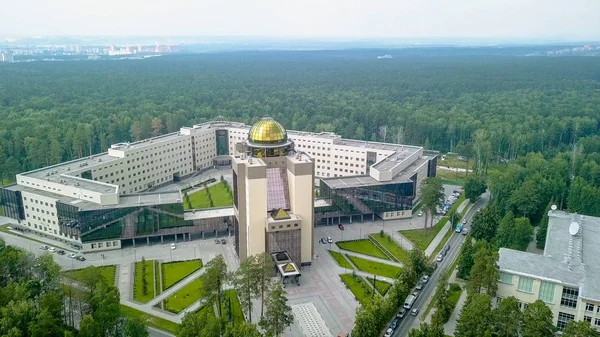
x: 223, y: 241
x: 217, y: 241
x: 60, y: 252
x: 447, y: 248
x: 394, y: 324
x: 80, y: 258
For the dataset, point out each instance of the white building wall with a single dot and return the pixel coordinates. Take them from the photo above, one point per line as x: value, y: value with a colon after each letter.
x: 581, y: 311
x: 256, y: 204
x: 40, y: 214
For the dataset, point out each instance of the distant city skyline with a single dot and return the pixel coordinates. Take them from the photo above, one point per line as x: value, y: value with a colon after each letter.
x: 550, y: 20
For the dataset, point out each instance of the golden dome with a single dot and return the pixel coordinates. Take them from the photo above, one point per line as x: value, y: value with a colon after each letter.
x: 267, y: 131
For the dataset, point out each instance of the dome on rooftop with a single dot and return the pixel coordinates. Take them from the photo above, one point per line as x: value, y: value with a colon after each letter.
x: 267, y: 131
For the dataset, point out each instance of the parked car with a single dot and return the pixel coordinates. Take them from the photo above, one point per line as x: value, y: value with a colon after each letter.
x: 465, y: 232
x: 217, y: 241
x: 419, y: 286
x: 173, y: 247
x: 443, y: 253
x: 447, y: 248
x: 329, y: 240
x: 60, y: 252
x: 416, y: 294
x: 440, y: 258
x: 414, y: 312
x: 425, y: 279
x: 51, y: 249
x: 388, y: 333
x: 71, y: 255
x: 44, y: 247
x: 394, y: 324
x: 464, y: 222
x: 223, y: 241
x: 420, y: 213
x: 479, y: 210
x: 80, y: 258
x: 401, y: 313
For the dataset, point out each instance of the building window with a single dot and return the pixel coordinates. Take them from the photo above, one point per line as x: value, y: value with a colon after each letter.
x: 526, y: 284
x: 569, y: 297
x: 597, y: 322
x: 547, y: 292
x: 563, y: 320
x: 505, y: 277
x: 587, y: 319
x: 589, y: 307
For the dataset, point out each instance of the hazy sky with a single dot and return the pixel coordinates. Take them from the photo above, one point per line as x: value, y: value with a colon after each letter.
x: 563, y: 19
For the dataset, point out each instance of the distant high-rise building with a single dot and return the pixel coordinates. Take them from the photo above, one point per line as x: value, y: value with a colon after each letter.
x: 7, y: 57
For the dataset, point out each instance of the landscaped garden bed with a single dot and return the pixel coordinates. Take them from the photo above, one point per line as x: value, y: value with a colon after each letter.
x: 388, y: 243
x: 357, y: 285
x: 340, y: 259
x: 373, y: 267
x: 138, y: 290
x: 362, y: 246
x: 184, y: 297
x: 173, y: 272
x: 108, y: 273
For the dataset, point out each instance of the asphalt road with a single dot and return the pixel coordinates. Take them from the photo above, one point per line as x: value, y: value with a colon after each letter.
x: 455, y: 242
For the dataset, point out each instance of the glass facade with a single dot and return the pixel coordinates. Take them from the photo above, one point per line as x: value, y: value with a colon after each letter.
x: 12, y: 204
x: 222, y: 142
x: 370, y: 199
x: 122, y: 223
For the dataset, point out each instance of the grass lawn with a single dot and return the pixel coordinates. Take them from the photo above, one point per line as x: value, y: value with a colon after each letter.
x: 357, y: 286
x: 218, y: 193
x: 340, y: 259
x: 388, y: 243
x: 138, y: 293
x: 185, y: 297
x: 236, y: 310
x: 423, y: 237
x: 153, y: 321
x: 106, y: 272
x: 373, y: 267
x: 363, y: 247
x: 173, y: 272
x: 455, y: 291
x: 381, y: 286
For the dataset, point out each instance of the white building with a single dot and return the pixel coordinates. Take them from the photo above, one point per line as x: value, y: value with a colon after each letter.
x: 80, y: 201
x: 566, y: 277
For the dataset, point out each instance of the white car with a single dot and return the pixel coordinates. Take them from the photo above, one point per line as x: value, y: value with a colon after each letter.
x: 329, y: 239
x: 71, y: 255
x: 414, y: 312
x: 173, y: 246
x: 388, y: 333
x: 420, y: 213
x: 425, y: 279
x: 51, y: 249
x: 440, y: 258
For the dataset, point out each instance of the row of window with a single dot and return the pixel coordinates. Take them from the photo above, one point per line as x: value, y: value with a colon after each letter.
x: 108, y: 244
x: 40, y: 211
x: 287, y: 226
x: 569, y: 296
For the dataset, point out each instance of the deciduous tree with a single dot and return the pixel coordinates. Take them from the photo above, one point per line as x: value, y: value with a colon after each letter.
x: 474, y: 187
x: 537, y: 321
x: 278, y: 315
x: 579, y: 329
x: 475, y: 317
x: 507, y: 318
x: 432, y: 196
x: 214, y: 279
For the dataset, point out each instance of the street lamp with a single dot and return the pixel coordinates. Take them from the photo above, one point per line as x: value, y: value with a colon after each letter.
x: 135, y: 253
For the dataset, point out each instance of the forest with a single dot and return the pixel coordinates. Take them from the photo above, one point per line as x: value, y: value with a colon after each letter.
x: 495, y: 108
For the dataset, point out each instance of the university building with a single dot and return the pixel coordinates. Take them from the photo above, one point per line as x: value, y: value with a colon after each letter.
x: 566, y: 276
x: 107, y: 200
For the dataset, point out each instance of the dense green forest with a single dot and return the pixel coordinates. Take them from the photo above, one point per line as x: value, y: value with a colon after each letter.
x: 492, y: 108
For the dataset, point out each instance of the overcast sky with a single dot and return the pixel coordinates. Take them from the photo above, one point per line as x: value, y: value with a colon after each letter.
x: 554, y: 19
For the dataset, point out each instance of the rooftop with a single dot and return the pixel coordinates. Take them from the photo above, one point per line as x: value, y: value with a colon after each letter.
x: 571, y: 256
x: 366, y: 180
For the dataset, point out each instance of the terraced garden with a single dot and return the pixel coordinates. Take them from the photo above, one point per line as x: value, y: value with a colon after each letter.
x: 340, y: 259
x: 362, y: 246
x: 173, y: 272
x: 388, y: 243
x: 184, y: 297
x: 373, y: 267
x: 108, y: 273
x: 357, y: 286
x: 381, y: 286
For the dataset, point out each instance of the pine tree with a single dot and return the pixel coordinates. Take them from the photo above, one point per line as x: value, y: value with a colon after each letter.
x: 279, y: 314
